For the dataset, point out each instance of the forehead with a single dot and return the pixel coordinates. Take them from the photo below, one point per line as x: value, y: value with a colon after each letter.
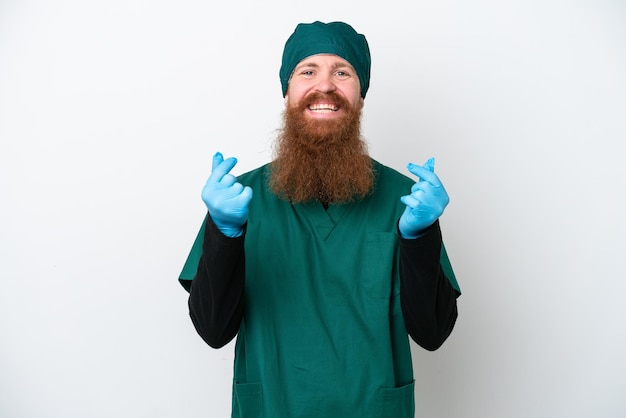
x: 324, y: 59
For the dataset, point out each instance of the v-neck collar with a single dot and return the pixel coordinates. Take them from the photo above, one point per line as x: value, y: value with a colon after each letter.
x: 323, y: 220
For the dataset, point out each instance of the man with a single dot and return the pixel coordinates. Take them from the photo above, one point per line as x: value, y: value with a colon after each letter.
x: 323, y: 261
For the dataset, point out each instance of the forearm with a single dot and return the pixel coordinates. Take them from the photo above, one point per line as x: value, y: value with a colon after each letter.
x: 427, y: 298
x: 216, y: 293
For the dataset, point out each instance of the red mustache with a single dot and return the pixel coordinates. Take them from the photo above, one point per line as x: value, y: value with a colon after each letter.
x: 331, y: 97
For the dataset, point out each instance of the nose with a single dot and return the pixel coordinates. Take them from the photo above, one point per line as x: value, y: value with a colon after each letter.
x: 325, y: 84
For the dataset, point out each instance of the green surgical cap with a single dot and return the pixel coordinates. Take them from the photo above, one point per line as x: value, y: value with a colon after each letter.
x: 336, y: 38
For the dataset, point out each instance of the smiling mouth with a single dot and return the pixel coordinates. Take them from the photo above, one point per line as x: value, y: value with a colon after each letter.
x: 323, y: 107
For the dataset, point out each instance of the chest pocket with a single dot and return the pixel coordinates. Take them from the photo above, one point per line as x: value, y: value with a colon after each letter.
x: 378, y: 265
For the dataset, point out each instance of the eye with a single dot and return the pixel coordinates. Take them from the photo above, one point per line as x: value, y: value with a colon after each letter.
x: 342, y: 74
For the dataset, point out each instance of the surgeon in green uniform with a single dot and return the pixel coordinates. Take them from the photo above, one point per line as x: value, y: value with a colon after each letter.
x: 322, y: 262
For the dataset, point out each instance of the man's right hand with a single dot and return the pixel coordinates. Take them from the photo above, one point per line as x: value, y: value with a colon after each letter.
x: 225, y: 198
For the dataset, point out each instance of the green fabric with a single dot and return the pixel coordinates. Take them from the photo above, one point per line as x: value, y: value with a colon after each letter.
x: 323, y: 333
x: 191, y: 264
x: 326, y: 38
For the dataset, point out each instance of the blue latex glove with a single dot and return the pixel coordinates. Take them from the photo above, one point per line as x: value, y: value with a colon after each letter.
x: 426, y: 202
x: 226, y: 200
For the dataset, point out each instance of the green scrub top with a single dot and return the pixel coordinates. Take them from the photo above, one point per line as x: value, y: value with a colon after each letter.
x: 323, y: 333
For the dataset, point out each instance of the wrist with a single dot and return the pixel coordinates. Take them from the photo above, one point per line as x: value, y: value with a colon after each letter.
x: 410, y: 235
x: 228, y: 230
x: 417, y: 233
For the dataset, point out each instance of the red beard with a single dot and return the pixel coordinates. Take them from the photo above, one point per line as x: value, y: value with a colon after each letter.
x: 321, y: 159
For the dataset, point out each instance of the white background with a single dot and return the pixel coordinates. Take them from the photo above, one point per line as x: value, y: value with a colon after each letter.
x: 111, y: 110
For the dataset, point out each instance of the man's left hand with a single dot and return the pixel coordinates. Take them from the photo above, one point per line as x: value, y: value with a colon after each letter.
x: 425, y: 204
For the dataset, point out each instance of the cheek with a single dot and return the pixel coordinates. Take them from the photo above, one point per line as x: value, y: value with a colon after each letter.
x: 294, y: 95
x: 353, y: 94
x: 356, y: 101
x: 359, y: 104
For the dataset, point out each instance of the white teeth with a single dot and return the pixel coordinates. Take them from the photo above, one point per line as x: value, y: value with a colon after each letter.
x: 325, y: 107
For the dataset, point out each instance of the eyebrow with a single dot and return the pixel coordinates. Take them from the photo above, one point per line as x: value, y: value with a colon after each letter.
x: 333, y: 67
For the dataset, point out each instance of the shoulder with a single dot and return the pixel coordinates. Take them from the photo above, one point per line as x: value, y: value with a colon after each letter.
x: 254, y: 177
x: 389, y: 178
